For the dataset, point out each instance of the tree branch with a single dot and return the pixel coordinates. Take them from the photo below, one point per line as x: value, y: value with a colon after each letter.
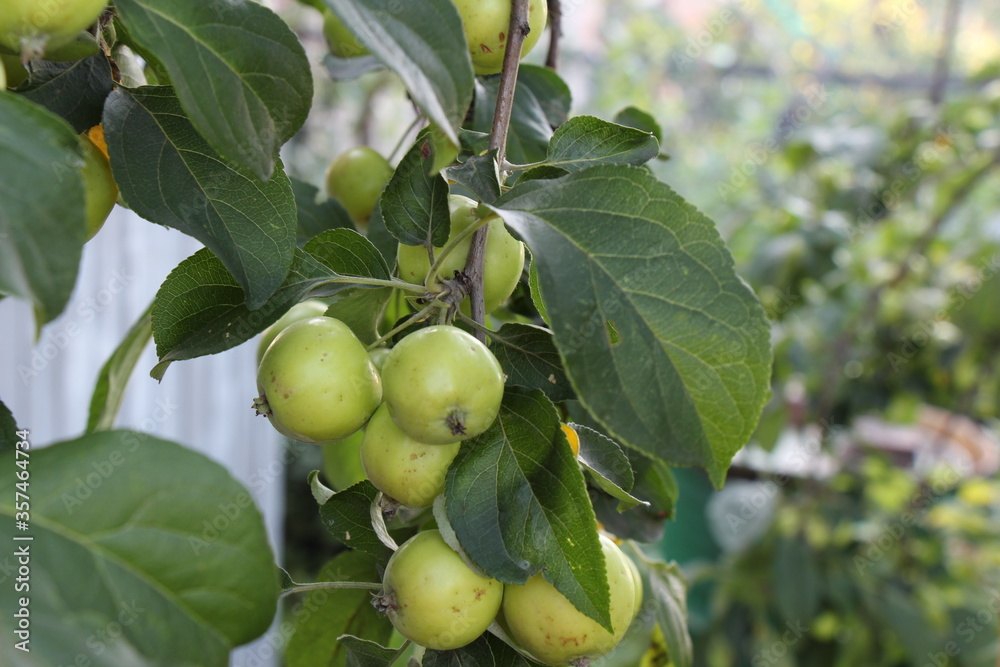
x: 498, y: 142
x: 555, y: 27
x: 943, y: 63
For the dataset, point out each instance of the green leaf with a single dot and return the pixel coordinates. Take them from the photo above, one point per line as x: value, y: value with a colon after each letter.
x: 42, y: 214
x: 668, y: 593
x: 111, y: 383
x: 169, y: 175
x: 529, y: 358
x: 607, y: 465
x: 687, y: 372
x: 326, y: 614
x: 518, y: 503
x: 347, y: 515
x: 640, y: 120
x: 314, y: 216
x: 347, y: 253
x: 541, y: 102
x: 73, y: 90
x: 479, y: 175
x: 423, y: 42
x: 586, y: 141
x: 381, y: 238
x: 414, y: 205
x: 8, y: 436
x: 121, y: 547
x: 361, y: 309
x: 240, y: 72
x: 542, y: 172
x: 200, y: 309
x: 486, y: 651
x: 654, y: 482
x: 366, y: 653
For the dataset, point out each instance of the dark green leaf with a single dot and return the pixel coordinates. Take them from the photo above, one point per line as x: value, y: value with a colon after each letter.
x: 607, y: 465
x: 586, y: 141
x: 366, y: 653
x: 479, y: 175
x: 615, y: 249
x: 239, y: 70
x: 414, y: 205
x: 669, y: 598
x: 42, y: 214
x: 347, y: 515
x: 423, y: 42
x: 284, y: 580
x: 487, y: 651
x: 8, y: 436
x: 654, y: 482
x: 168, y: 174
x: 361, y: 309
x: 314, y: 216
x: 200, y: 310
x: 381, y: 238
x: 529, y: 357
x: 326, y: 614
x: 121, y: 548
x: 114, y: 377
x: 73, y: 90
x: 542, y: 172
x: 347, y: 253
x: 903, y: 614
x: 518, y: 503
x: 530, y: 131
x: 640, y: 120
x: 345, y: 69
x: 549, y: 89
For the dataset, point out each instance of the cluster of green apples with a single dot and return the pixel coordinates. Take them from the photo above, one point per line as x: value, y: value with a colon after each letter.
x: 485, y: 23
x: 402, y: 411
x: 435, y: 598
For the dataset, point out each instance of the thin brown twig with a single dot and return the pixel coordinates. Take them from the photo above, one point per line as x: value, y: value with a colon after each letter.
x: 942, y: 64
x: 555, y: 32
x: 498, y: 141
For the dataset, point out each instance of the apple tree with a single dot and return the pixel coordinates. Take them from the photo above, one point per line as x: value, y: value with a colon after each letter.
x: 519, y: 299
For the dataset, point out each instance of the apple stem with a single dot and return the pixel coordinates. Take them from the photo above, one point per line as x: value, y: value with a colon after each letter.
x: 519, y: 29
x: 356, y: 585
x: 555, y: 28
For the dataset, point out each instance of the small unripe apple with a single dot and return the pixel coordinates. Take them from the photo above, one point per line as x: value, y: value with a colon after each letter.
x: 342, y: 462
x: 442, y: 385
x: 356, y: 179
x: 31, y: 26
x: 300, y: 311
x: 486, y: 23
x: 502, y: 265
x: 317, y: 383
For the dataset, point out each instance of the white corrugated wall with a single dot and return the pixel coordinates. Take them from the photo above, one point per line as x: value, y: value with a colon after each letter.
x: 203, y: 403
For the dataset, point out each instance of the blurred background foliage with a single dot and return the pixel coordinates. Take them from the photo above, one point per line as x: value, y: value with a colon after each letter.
x: 850, y: 152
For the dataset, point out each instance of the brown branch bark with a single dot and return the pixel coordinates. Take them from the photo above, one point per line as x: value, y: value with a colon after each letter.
x: 555, y: 28
x: 942, y: 65
x: 498, y: 142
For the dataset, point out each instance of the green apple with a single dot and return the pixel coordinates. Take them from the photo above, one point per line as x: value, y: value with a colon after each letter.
x: 300, y: 311
x: 502, y: 265
x: 342, y: 462
x: 100, y: 190
x: 343, y: 43
x: 486, y: 23
x: 31, y: 26
x: 433, y: 598
x: 546, y: 624
x: 442, y: 385
x: 356, y: 179
x: 406, y: 470
x: 316, y: 381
